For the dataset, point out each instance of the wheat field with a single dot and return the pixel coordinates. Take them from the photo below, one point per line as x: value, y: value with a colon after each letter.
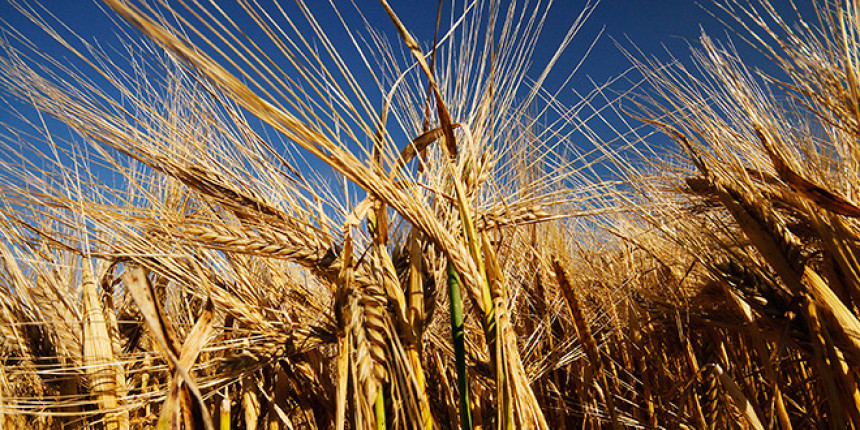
x: 244, y: 233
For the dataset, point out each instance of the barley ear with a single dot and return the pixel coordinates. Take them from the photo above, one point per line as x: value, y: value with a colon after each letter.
x: 98, y: 358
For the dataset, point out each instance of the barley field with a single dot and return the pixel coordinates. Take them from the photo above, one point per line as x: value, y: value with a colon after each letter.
x: 236, y: 231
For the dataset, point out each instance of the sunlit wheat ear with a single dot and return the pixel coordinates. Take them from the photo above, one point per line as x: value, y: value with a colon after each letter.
x: 98, y: 353
x: 584, y: 332
x: 344, y: 314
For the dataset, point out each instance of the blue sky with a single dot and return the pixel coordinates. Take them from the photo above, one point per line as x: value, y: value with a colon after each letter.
x: 654, y: 26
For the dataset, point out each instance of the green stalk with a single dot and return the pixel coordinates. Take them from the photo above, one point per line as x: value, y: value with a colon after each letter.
x: 459, y: 346
x: 379, y: 409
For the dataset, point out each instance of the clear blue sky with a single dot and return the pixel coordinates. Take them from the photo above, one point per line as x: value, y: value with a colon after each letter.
x: 654, y: 25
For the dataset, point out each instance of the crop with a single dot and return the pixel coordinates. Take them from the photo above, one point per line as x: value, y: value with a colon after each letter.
x: 244, y: 233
